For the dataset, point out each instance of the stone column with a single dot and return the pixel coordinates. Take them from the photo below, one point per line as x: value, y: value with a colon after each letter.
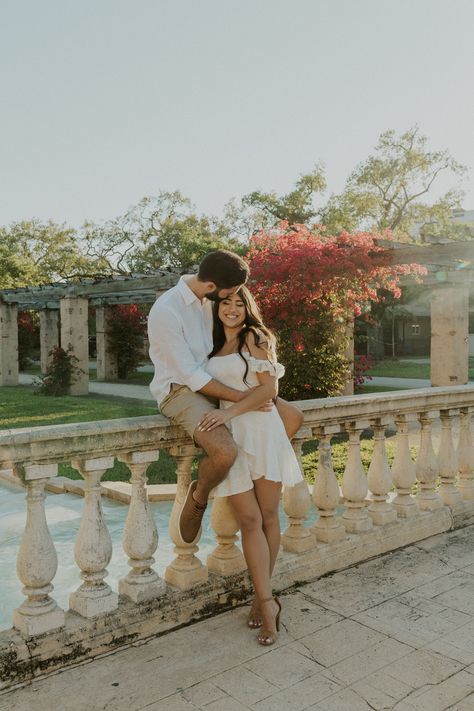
x: 297, y: 538
x: 74, y: 337
x: 447, y: 459
x: 379, y: 477
x: 403, y: 470
x: 226, y: 559
x: 49, y: 335
x: 107, y: 367
x: 8, y: 344
x: 37, y: 561
x: 450, y: 335
x: 93, y: 547
x: 186, y: 570
x: 328, y: 527
x: 354, y: 482
x: 349, y: 354
x: 140, y: 536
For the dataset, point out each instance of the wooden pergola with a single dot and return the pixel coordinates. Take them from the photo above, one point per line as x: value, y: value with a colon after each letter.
x: 63, y: 310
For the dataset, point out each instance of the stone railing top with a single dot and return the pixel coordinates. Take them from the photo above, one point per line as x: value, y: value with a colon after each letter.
x: 85, y: 440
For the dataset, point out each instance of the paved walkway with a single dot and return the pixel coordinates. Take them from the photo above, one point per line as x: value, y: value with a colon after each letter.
x: 142, y: 392
x: 396, y: 632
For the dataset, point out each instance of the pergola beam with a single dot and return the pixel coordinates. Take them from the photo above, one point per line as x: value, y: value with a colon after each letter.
x: 30, y: 297
x: 454, y: 254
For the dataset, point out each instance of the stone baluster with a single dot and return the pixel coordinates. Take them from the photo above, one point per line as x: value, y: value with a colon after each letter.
x: 465, y: 454
x: 427, y: 468
x: 93, y: 548
x: 328, y: 527
x: 226, y: 558
x: 448, y: 466
x: 403, y: 470
x: 296, y: 504
x: 354, y: 483
x: 379, y: 477
x: 37, y: 561
x: 140, y: 539
x: 186, y: 570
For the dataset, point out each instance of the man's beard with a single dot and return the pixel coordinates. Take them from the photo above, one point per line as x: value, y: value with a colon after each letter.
x: 214, y: 296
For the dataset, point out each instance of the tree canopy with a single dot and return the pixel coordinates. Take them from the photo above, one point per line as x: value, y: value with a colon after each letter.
x: 34, y: 252
x: 391, y: 189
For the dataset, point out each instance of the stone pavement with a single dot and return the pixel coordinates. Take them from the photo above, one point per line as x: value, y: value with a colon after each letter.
x: 396, y: 632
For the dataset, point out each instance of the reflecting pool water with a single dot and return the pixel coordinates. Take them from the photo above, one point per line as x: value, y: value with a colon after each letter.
x: 63, y: 513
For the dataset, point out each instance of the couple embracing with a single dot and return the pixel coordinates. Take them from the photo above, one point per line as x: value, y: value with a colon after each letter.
x: 216, y: 375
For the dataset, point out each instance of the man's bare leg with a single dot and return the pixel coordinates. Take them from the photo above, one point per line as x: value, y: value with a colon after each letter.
x: 220, y: 453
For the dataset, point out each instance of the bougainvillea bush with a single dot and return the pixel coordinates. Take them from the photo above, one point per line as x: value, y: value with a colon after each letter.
x: 127, y: 328
x: 310, y: 286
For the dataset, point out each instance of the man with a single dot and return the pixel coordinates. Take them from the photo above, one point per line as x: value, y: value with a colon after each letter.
x: 180, y: 335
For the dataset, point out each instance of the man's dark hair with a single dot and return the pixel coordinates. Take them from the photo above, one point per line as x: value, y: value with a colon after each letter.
x: 226, y: 269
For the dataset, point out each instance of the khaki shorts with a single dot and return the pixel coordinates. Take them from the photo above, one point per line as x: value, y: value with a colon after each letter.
x: 186, y: 408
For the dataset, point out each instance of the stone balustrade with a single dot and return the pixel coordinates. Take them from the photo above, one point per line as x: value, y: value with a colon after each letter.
x: 380, y: 512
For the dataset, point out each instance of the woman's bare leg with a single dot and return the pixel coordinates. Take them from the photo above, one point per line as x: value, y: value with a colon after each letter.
x: 292, y: 417
x: 254, y: 542
x: 268, y: 495
x: 260, y: 542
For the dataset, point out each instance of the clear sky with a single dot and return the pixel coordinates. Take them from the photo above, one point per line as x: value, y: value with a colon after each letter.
x: 105, y: 101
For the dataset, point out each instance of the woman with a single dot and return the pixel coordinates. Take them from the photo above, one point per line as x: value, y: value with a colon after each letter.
x: 244, y: 358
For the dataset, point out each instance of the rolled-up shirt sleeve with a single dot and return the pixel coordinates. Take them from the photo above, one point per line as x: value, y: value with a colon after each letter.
x: 168, y: 346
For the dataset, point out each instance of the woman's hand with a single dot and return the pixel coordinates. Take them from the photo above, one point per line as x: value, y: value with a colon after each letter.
x: 213, y: 419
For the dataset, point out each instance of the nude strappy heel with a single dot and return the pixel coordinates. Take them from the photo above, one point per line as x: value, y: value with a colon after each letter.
x: 254, y: 619
x: 267, y: 637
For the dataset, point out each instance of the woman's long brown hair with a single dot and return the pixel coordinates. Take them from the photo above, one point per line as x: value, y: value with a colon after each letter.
x: 253, y: 324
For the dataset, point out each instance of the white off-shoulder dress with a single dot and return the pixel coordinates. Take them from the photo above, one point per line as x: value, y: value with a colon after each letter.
x: 264, y: 449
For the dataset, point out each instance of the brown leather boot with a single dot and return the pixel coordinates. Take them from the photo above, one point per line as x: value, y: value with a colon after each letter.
x: 190, y: 517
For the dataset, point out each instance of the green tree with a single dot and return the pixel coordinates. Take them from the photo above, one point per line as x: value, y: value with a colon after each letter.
x: 390, y: 188
x: 34, y: 252
x: 262, y: 209
x: 161, y: 231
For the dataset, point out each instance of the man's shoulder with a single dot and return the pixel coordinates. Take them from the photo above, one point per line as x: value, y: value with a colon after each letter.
x: 168, y: 302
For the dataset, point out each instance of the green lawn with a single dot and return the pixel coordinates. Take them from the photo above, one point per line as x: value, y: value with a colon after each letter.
x: 21, y: 407
x: 406, y: 369
x: 368, y: 388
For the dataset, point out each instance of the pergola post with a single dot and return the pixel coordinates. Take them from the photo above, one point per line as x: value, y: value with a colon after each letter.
x: 450, y: 335
x: 8, y: 344
x: 75, y: 338
x: 349, y: 354
x: 49, y: 335
x: 107, y: 365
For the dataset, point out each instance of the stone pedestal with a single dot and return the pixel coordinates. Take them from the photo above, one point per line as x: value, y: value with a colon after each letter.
x: 107, y: 366
x: 450, y: 335
x: 74, y: 337
x: 8, y: 344
x: 49, y: 335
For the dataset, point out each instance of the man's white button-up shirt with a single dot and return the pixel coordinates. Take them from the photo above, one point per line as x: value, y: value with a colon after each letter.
x: 180, y: 335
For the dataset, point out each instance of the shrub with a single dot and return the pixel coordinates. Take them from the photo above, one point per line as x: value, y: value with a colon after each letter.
x: 309, y: 286
x: 61, y: 373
